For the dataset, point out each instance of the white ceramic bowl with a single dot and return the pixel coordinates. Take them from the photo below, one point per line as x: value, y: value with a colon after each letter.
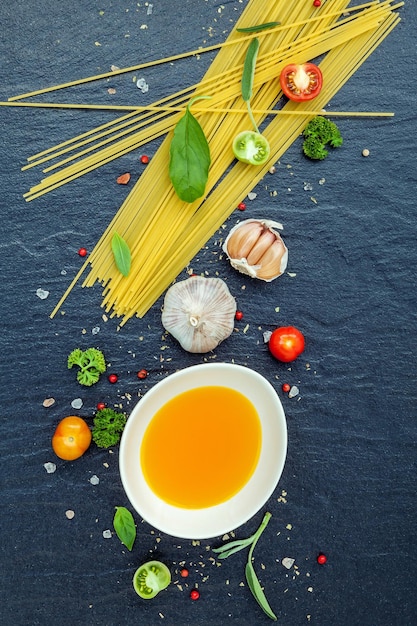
x: 222, y: 518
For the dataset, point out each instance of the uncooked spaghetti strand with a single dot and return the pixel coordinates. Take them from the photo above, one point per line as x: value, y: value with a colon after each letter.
x: 199, y: 109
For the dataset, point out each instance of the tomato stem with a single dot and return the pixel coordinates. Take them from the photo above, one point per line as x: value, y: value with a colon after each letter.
x: 252, y: 119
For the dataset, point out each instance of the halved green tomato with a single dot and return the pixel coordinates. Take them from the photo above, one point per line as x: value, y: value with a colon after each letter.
x: 150, y: 578
x: 251, y: 147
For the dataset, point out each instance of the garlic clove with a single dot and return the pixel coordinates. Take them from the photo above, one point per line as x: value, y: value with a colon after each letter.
x: 244, y: 239
x: 255, y: 248
x: 264, y: 242
x: 274, y: 261
x: 199, y: 312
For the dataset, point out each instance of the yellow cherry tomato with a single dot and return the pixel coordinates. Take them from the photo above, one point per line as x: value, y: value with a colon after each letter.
x: 71, y: 438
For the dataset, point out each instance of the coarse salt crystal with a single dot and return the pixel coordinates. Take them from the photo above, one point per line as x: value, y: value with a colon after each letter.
x: 95, y: 330
x: 294, y: 391
x: 50, y: 467
x: 42, y: 293
x: 267, y: 335
x: 107, y: 534
x: 288, y: 562
x: 252, y: 195
x: 77, y: 403
x: 69, y: 514
x: 94, y: 480
x: 142, y: 85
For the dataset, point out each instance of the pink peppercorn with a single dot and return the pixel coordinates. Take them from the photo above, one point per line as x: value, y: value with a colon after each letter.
x: 82, y: 251
x: 286, y: 387
x: 322, y: 559
x: 101, y: 406
x: 144, y: 159
x: 194, y: 594
x: 239, y: 315
x: 142, y: 374
x: 113, y: 378
x: 241, y: 206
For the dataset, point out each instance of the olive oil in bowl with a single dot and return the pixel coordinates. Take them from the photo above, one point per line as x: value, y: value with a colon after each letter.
x: 201, y: 447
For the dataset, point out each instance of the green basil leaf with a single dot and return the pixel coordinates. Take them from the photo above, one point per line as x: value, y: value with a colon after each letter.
x: 124, y: 525
x: 257, y: 591
x: 189, y: 158
x: 121, y: 252
x: 249, y: 69
x: 258, y: 27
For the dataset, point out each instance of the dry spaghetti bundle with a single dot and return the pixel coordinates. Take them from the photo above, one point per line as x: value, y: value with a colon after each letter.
x: 162, y: 231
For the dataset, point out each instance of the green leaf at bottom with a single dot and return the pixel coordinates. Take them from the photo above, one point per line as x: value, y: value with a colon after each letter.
x: 257, y: 591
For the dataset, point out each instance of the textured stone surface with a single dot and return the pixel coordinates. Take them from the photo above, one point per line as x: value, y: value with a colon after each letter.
x: 348, y: 487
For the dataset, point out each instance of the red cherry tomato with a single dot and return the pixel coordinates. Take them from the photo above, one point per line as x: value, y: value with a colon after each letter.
x: 286, y: 343
x: 72, y: 438
x: 301, y: 82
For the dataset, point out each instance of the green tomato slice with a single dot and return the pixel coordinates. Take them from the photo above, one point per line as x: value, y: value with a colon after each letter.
x: 150, y: 578
x: 251, y: 147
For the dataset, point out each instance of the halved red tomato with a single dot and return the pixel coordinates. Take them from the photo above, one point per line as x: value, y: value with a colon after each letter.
x: 301, y: 82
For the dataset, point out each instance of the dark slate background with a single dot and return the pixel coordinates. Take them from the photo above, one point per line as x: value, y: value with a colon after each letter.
x: 349, y: 480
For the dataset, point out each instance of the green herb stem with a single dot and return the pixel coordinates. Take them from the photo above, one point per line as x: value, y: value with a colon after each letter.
x: 252, y: 119
x: 258, y: 533
x: 232, y: 547
x: 250, y: 573
x: 253, y: 583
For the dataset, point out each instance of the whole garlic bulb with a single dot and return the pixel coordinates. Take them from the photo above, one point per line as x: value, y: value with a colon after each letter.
x: 255, y: 248
x: 199, y: 312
